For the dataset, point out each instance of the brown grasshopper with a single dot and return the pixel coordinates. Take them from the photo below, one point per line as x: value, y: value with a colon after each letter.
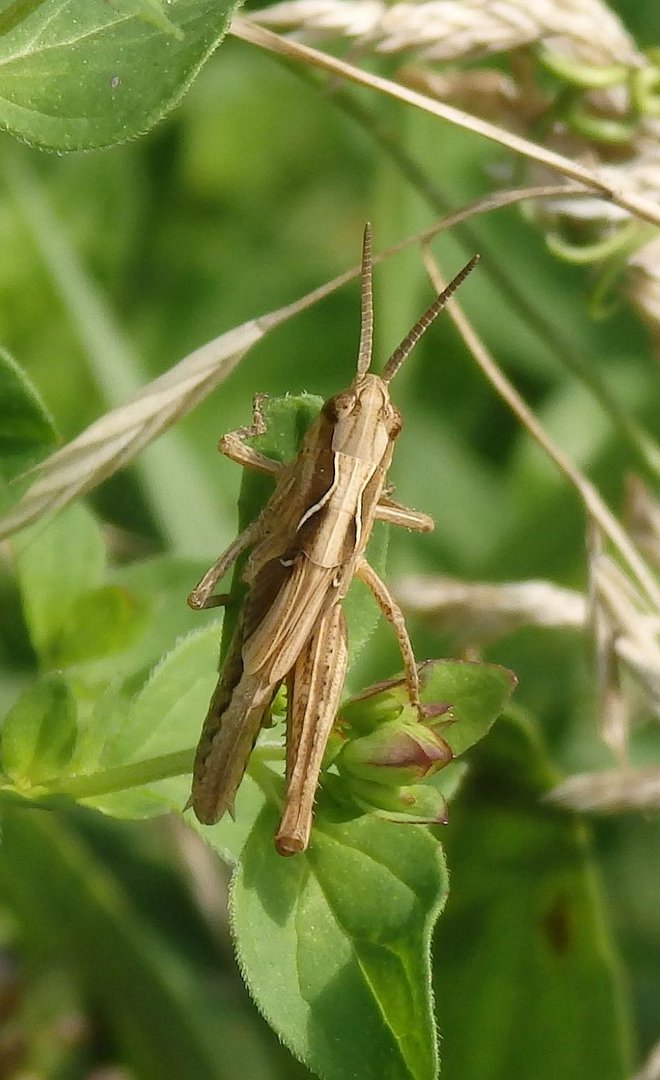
x: 307, y: 545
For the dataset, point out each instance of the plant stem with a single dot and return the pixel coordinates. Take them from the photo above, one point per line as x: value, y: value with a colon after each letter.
x: 109, y: 781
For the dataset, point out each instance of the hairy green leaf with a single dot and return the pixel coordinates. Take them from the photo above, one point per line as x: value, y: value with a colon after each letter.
x: 476, y: 692
x: 165, y: 717
x: 167, y: 713
x: 334, y: 944
x: 77, y: 74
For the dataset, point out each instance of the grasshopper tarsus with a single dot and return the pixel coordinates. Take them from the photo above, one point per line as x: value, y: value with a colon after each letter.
x: 233, y: 444
x: 253, y: 430
x: 307, y: 545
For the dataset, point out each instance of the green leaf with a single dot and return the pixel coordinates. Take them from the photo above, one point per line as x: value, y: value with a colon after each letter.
x: 287, y: 420
x: 476, y: 692
x: 161, y: 584
x: 334, y: 944
x: 525, y: 978
x: 151, y: 11
x: 26, y: 429
x: 165, y: 717
x: 39, y: 732
x: 229, y: 836
x: 55, y: 564
x: 167, y: 714
x: 77, y: 74
x: 100, y: 622
x: 141, y: 614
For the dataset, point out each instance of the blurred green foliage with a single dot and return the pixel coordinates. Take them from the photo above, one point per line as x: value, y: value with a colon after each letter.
x: 251, y: 193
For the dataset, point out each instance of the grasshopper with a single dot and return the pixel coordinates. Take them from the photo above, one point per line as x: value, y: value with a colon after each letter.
x: 306, y: 545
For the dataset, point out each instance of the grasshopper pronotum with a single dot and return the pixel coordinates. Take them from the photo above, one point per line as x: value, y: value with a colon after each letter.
x: 307, y: 544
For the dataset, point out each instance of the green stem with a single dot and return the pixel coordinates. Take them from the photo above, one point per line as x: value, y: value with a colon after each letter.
x: 123, y: 776
x: 152, y: 770
x: 622, y: 242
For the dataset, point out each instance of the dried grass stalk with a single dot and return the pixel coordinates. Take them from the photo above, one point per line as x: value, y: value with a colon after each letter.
x: 613, y: 121
x: 611, y: 791
x: 452, y: 29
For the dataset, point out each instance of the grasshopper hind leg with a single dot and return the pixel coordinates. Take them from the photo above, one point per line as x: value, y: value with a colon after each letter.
x: 315, y: 687
x: 234, y: 718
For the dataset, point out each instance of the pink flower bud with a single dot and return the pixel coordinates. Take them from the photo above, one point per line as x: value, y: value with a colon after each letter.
x: 399, y: 752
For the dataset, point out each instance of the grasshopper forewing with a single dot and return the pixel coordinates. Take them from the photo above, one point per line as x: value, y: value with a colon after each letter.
x: 306, y: 546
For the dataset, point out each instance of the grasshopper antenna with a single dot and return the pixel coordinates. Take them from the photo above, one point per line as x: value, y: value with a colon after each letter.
x: 412, y: 337
x: 367, y: 306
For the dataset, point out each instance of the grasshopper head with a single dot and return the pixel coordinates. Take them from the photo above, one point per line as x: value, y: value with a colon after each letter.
x: 364, y: 420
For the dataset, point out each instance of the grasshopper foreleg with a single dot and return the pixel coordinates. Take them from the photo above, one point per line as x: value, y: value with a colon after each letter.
x: 233, y: 443
x: 232, y: 723
x: 233, y: 446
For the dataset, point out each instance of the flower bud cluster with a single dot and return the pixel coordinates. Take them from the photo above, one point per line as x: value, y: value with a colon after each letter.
x: 384, y: 753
